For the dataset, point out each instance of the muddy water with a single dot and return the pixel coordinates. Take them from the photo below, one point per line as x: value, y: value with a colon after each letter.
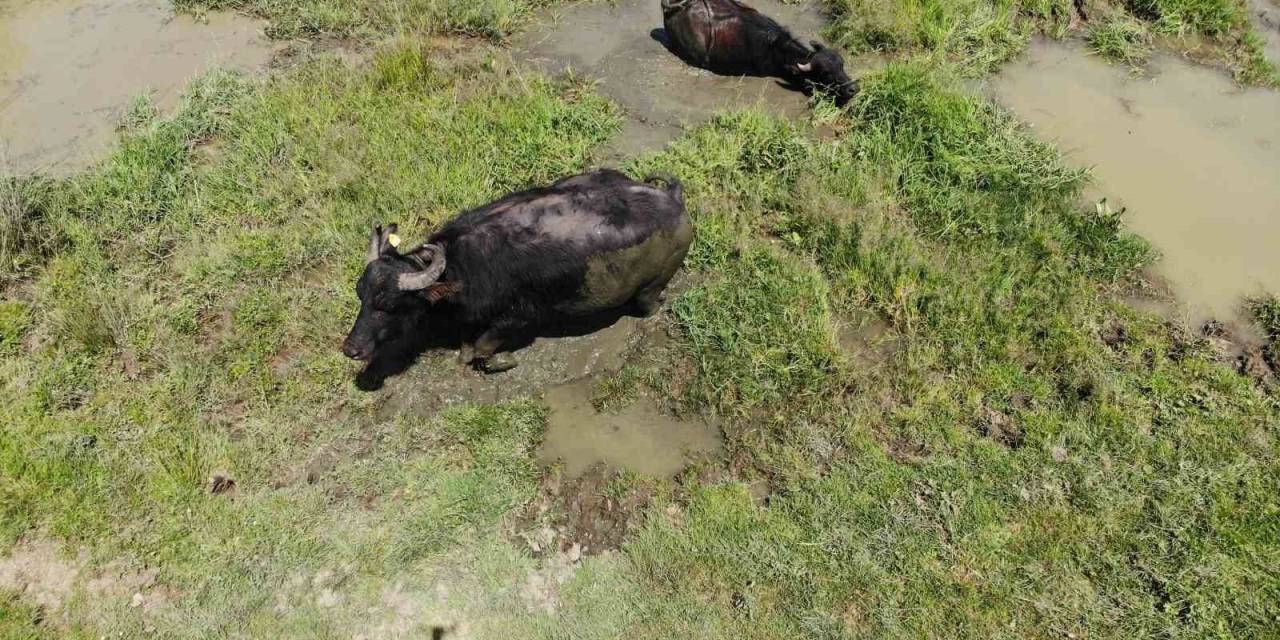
x: 1266, y: 19
x: 617, y: 44
x: 1195, y: 160
x: 640, y: 437
x: 68, y: 69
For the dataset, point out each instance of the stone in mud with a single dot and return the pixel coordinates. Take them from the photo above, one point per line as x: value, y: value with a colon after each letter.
x: 1252, y: 364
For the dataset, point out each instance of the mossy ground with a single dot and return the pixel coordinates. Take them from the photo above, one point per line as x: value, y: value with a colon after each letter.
x: 1034, y: 459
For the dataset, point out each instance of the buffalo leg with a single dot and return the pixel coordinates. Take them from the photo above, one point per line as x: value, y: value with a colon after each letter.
x: 649, y: 299
x: 488, y: 344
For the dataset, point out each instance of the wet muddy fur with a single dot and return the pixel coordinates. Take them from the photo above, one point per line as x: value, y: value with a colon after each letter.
x: 585, y: 244
x: 726, y: 36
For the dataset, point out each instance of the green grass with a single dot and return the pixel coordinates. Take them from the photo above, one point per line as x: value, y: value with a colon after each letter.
x: 1127, y: 41
x: 977, y: 36
x: 362, y: 19
x: 175, y: 312
x: 1140, y: 502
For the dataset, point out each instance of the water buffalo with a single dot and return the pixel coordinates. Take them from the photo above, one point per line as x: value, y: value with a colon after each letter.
x: 583, y: 245
x: 726, y: 36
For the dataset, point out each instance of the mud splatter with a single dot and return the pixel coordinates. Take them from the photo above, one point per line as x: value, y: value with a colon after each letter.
x: 437, y: 380
x: 867, y: 339
x: 583, y: 513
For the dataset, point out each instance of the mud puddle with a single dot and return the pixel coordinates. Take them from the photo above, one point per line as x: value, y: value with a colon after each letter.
x: 619, y: 45
x: 867, y: 339
x: 1193, y: 158
x: 69, y: 68
x: 639, y: 437
x: 1266, y: 19
x: 437, y: 380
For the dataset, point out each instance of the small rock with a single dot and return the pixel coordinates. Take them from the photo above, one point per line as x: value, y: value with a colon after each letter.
x: 221, y: 482
x: 1213, y: 329
x: 1058, y: 454
x: 137, y: 601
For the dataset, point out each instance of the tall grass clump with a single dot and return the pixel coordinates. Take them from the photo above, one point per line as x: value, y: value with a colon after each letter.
x: 1126, y: 41
x: 977, y: 36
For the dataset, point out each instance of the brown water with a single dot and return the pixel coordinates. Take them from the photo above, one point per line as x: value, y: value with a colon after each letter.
x: 1195, y: 160
x: 640, y: 437
x: 68, y: 69
x: 1266, y: 19
x: 612, y: 42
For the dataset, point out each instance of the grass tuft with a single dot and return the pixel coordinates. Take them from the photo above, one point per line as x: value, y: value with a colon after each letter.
x: 1126, y: 41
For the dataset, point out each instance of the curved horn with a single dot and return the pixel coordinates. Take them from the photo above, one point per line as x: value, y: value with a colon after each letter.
x: 805, y: 67
x: 420, y: 280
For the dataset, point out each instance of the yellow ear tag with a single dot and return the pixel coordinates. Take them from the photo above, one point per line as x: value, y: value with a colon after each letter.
x: 393, y: 240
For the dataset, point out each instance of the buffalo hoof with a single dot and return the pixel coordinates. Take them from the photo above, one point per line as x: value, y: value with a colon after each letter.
x: 466, y: 353
x: 499, y: 363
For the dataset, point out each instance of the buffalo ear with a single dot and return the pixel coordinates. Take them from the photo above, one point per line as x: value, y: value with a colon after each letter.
x: 817, y: 46
x: 380, y: 242
x: 441, y: 290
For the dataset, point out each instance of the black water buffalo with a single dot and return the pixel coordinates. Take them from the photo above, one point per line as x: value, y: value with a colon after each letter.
x: 726, y: 36
x: 583, y: 245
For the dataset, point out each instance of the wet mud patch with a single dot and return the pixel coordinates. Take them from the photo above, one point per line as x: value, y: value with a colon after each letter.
x: 584, y: 515
x: 70, y: 68
x: 1193, y: 159
x: 1266, y: 19
x: 436, y: 380
x: 620, y: 45
x: 867, y: 340
x: 638, y: 437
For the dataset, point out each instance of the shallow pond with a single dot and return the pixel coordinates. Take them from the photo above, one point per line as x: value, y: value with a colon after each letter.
x: 69, y: 69
x: 1193, y: 158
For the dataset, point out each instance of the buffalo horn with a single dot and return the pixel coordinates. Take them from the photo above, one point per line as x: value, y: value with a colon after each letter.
x: 420, y: 280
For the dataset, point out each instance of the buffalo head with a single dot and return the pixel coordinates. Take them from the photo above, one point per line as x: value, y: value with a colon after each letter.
x: 825, y: 72
x: 393, y: 287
